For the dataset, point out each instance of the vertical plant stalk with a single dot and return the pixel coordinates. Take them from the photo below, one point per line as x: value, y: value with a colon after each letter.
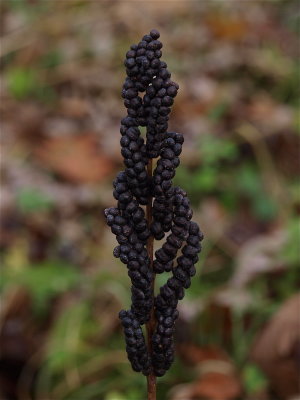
x: 168, y: 212
x: 150, y: 326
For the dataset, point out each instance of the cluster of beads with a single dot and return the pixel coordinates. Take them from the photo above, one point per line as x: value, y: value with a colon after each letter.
x: 171, y: 212
x: 166, y: 301
x: 135, y: 343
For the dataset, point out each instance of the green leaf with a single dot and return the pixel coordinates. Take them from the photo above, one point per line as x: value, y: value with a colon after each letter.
x: 21, y: 82
x: 32, y: 200
x: 229, y: 200
x: 44, y: 280
x: 214, y: 149
x: 217, y: 112
x: 206, y: 179
x: 253, y: 378
x: 65, y: 341
x: 17, y: 5
x: 291, y: 251
x: 247, y: 180
x: 116, y: 396
x: 51, y: 59
x: 264, y: 207
x: 24, y: 83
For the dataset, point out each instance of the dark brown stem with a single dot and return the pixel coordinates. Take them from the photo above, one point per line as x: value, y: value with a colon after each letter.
x: 150, y: 326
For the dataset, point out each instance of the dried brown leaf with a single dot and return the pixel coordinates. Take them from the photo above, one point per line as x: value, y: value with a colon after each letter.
x: 258, y: 256
x: 194, y: 354
x: 277, y: 349
x: 75, y: 158
x: 216, y: 386
x: 227, y: 27
x: 211, y: 386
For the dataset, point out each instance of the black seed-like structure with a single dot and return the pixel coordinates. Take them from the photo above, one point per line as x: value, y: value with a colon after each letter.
x: 149, y: 93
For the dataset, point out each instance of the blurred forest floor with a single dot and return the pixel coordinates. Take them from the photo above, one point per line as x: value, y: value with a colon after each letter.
x: 61, y: 71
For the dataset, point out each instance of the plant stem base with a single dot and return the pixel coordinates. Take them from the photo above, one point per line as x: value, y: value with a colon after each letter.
x: 151, y: 387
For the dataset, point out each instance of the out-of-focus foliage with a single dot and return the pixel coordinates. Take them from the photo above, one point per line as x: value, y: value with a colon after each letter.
x: 61, y: 71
